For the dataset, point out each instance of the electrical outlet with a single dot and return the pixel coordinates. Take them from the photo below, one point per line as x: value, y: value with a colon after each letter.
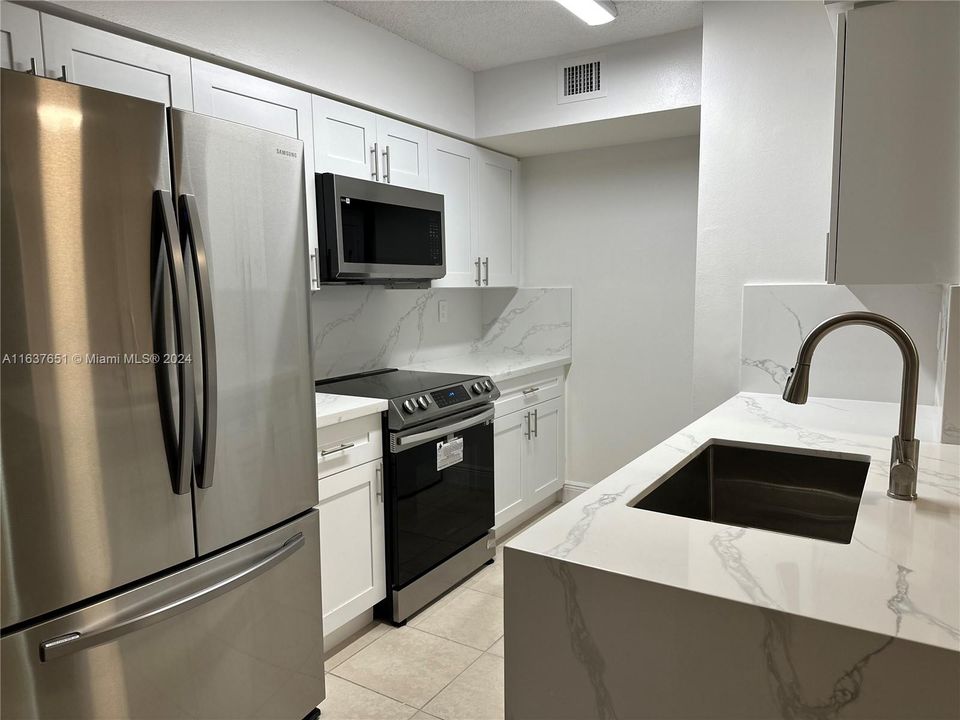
x: 442, y: 306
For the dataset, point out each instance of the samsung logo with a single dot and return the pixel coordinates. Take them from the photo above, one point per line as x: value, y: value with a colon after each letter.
x: 288, y: 153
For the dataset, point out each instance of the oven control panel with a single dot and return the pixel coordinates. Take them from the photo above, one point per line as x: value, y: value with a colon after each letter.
x: 416, y: 409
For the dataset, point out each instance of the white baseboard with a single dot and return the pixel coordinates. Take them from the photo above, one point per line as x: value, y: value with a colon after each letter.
x: 333, y: 640
x: 571, y: 490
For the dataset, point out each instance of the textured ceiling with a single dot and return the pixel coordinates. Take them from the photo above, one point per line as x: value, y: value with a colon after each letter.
x: 482, y: 34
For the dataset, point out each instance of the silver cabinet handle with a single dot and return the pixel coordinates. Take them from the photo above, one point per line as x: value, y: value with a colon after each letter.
x: 33, y: 67
x: 63, y: 73
x: 526, y: 432
x: 341, y: 448
x: 178, y: 436
x: 530, y: 390
x: 476, y: 264
x: 314, y: 278
x: 375, y: 162
x: 380, y: 482
x: 74, y: 641
x: 536, y: 423
x: 386, y: 163
x: 486, y: 271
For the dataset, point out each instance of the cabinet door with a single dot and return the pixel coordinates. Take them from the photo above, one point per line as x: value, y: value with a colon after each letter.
x: 509, y: 451
x: 499, y: 222
x: 453, y: 174
x: 352, y: 561
x: 344, y: 140
x: 403, y: 153
x: 102, y: 60
x: 20, y: 38
x: 896, y: 198
x: 543, y: 471
x: 267, y: 105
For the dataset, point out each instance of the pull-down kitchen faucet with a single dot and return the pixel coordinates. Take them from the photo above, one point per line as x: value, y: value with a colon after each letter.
x: 906, y: 448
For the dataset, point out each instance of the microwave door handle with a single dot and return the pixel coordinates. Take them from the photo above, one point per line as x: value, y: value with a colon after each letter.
x: 178, y: 438
x: 205, y: 433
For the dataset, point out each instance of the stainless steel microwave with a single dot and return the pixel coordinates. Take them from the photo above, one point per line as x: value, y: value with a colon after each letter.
x: 378, y: 233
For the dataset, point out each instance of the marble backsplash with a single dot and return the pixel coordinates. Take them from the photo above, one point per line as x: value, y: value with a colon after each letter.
x: 360, y: 328
x: 858, y: 363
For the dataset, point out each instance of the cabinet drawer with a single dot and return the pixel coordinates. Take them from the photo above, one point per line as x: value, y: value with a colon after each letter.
x: 347, y: 444
x: 523, y: 392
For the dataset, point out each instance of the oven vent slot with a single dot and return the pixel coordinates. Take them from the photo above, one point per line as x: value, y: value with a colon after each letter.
x: 580, y: 79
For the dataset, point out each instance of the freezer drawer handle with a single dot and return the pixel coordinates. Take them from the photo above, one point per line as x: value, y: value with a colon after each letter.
x: 205, y: 429
x: 75, y: 641
x: 177, y: 437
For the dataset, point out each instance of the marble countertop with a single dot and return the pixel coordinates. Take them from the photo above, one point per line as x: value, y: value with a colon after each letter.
x: 500, y: 367
x: 900, y: 575
x: 333, y: 409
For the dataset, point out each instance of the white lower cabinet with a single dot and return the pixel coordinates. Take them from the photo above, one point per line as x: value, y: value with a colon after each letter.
x: 352, y: 561
x: 528, y: 454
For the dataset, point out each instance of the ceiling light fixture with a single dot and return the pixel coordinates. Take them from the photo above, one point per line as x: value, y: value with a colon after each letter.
x: 592, y: 12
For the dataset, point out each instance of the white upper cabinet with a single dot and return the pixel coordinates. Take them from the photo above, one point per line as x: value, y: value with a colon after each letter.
x: 361, y: 144
x: 452, y: 168
x: 345, y: 139
x: 242, y: 98
x: 100, y: 59
x: 403, y: 153
x: 499, y: 219
x: 20, y: 45
x: 896, y: 192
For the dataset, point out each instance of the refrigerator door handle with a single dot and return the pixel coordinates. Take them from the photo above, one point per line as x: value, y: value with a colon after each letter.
x: 177, y: 436
x: 75, y: 641
x: 205, y: 429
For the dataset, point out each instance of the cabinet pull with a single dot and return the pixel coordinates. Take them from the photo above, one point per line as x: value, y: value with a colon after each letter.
x: 375, y: 162
x: 33, y: 67
x: 531, y: 390
x: 380, y: 482
x: 341, y: 448
x: 536, y: 423
x: 63, y: 73
x: 386, y: 163
x: 314, y: 271
x: 486, y: 271
x: 526, y: 432
x: 477, y: 265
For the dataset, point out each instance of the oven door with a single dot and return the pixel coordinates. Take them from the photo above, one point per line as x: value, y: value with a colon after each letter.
x: 376, y: 231
x: 436, y: 509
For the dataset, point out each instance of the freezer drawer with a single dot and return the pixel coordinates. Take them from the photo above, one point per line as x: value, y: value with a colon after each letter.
x: 249, y: 643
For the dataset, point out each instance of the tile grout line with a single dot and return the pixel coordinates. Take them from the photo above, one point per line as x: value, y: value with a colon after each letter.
x: 482, y: 653
x: 375, y: 692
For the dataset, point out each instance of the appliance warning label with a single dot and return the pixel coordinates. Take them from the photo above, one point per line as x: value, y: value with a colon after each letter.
x: 449, y: 453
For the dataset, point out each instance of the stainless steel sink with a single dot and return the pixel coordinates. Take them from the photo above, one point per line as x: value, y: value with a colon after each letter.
x: 794, y: 491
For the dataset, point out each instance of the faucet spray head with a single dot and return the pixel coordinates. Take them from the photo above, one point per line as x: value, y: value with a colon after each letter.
x: 795, y: 390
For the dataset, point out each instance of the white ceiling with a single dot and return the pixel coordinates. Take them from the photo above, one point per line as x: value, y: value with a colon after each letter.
x: 483, y: 34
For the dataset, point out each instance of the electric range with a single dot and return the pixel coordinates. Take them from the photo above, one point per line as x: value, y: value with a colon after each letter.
x: 438, y: 479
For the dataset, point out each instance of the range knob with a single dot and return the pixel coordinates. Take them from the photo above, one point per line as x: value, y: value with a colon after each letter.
x: 409, y: 405
x: 488, y: 386
x: 477, y: 388
x: 423, y: 401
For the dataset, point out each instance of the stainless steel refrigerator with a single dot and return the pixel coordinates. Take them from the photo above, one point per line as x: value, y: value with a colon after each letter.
x: 160, y: 553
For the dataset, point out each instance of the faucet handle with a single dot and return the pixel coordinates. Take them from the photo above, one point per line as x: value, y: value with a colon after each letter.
x: 903, y: 468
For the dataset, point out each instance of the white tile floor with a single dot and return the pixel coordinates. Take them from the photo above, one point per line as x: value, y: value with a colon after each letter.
x: 446, y: 663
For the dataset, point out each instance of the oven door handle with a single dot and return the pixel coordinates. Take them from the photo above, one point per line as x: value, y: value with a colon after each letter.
x: 403, y: 441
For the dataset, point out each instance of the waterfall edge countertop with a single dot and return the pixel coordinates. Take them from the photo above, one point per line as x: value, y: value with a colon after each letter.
x: 333, y: 409
x: 499, y: 368
x: 899, y: 576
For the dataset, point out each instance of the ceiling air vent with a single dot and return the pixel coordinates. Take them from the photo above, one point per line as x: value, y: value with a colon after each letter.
x: 580, y: 79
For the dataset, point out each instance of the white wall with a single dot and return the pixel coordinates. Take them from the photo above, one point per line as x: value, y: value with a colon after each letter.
x: 312, y: 43
x: 643, y: 76
x: 619, y: 225
x: 766, y: 129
